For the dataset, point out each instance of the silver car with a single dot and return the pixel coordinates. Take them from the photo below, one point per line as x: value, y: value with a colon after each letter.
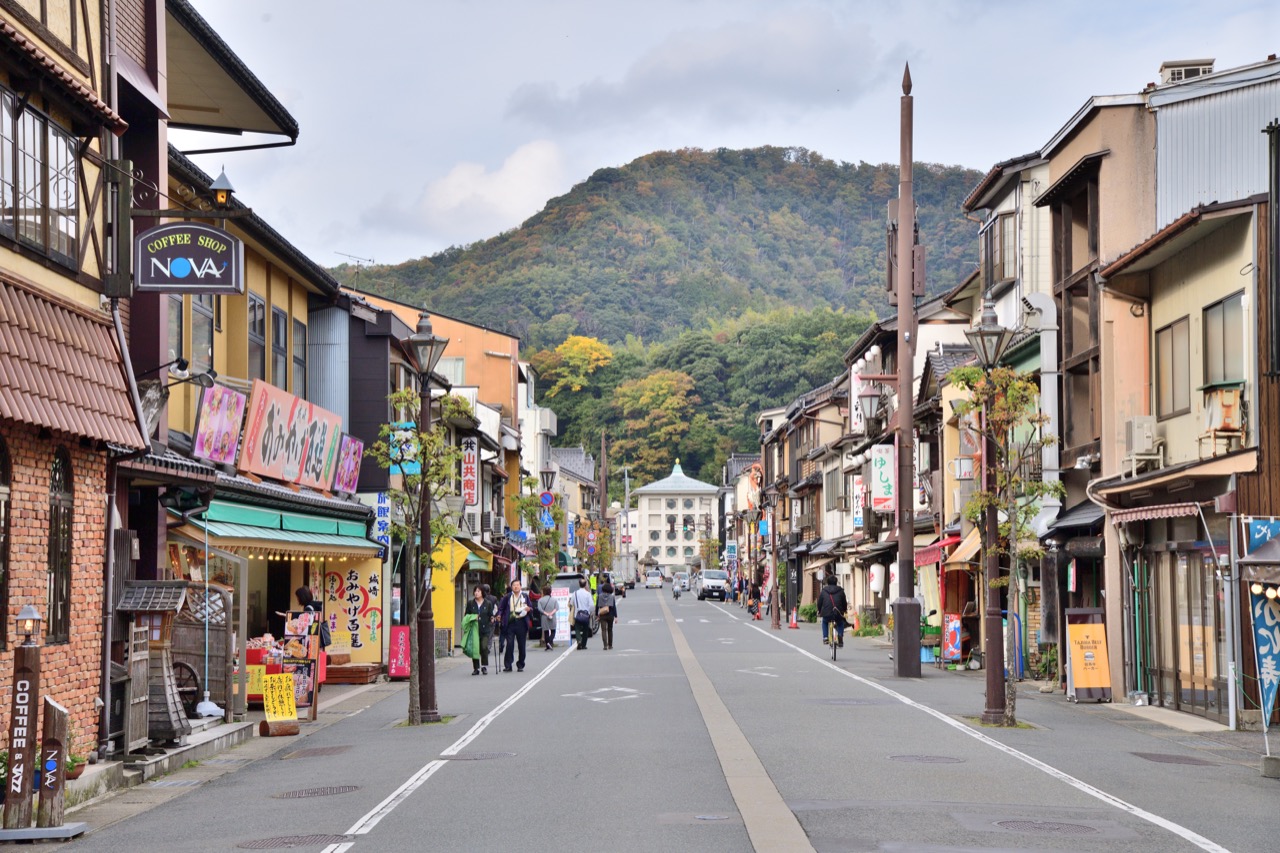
x: 713, y: 583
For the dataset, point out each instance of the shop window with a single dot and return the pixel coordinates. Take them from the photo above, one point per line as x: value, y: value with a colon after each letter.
x: 4, y: 540
x: 61, y: 512
x: 257, y: 333
x: 299, y: 358
x: 40, y: 198
x: 1224, y: 337
x: 173, y: 320
x: 279, y: 348
x: 201, y: 333
x: 1173, y: 368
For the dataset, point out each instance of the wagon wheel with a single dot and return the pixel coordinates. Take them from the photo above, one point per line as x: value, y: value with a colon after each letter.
x: 187, y: 682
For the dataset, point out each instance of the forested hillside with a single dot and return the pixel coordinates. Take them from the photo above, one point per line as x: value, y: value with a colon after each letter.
x: 676, y: 240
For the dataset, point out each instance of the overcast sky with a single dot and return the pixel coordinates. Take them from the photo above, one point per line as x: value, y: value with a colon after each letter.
x: 430, y: 123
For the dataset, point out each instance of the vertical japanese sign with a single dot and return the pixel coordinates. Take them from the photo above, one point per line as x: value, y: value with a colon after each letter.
x: 398, y: 661
x: 883, y: 487
x: 278, y: 702
x: 470, y: 472
x: 286, y: 438
x: 859, y: 498
x: 573, y: 535
x: 382, y: 523
x: 1265, y: 615
x: 952, y: 641
x: 857, y: 424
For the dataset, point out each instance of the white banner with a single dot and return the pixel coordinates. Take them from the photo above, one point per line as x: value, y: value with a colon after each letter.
x: 883, y: 479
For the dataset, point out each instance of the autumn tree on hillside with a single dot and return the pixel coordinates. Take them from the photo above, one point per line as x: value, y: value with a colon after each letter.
x: 574, y: 362
x: 656, y: 411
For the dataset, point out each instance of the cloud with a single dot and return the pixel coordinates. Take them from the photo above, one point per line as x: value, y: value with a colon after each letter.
x: 471, y: 200
x: 773, y: 67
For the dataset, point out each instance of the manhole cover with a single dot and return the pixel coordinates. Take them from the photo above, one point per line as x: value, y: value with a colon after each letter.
x: 1162, y: 758
x: 927, y: 759
x: 316, y: 752
x: 317, y: 792
x: 286, y: 841
x: 1046, y: 827
x: 475, y: 756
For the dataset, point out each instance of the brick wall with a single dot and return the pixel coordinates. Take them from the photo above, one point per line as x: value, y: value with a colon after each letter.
x: 131, y: 29
x: 70, y: 672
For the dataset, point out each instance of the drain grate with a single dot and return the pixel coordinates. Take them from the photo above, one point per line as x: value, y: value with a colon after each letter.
x: 316, y: 792
x: 286, y: 841
x: 1046, y: 827
x: 1162, y: 758
x: 927, y: 759
x: 315, y: 752
x: 476, y: 756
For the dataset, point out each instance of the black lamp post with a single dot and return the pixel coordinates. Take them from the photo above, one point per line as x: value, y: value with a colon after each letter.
x: 427, y: 348
x: 989, y: 340
x: 548, y: 476
x: 771, y: 502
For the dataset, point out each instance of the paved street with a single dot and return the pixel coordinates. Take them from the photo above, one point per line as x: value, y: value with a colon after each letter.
x: 672, y: 741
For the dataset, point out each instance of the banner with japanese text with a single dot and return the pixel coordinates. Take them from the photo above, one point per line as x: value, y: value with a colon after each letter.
x: 287, y: 438
x: 470, y: 472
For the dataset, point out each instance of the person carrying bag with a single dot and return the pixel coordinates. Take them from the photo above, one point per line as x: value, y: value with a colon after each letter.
x: 581, y: 606
x: 607, y: 611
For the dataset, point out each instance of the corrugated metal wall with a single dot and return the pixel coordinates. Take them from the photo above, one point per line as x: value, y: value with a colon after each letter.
x: 1213, y: 148
x: 329, y: 360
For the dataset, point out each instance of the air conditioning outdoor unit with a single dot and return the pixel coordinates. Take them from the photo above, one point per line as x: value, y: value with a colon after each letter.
x: 486, y: 521
x: 1140, y: 435
x: 471, y: 521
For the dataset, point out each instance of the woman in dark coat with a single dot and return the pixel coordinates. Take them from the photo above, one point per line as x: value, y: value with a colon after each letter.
x: 482, y: 607
x: 607, y: 608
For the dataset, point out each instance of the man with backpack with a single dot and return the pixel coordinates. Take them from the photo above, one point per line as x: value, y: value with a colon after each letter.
x: 832, y: 605
x: 581, y: 604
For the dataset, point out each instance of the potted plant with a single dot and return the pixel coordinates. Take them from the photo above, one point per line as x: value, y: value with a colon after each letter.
x: 75, y: 765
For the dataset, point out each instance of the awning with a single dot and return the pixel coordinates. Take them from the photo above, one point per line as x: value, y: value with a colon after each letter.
x: 480, y: 555
x: 1237, y: 462
x: 930, y: 554
x: 826, y: 546
x: 457, y: 556
x: 1262, y: 564
x: 813, y: 567
x: 260, y: 530
x: 962, y: 557
x: 1085, y: 514
x: 1151, y: 513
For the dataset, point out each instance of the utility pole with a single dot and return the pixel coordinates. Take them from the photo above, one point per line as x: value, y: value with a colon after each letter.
x: 906, y: 609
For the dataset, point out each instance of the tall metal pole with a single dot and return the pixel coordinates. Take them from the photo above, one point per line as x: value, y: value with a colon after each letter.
x: 426, y: 616
x: 906, y: 610
x: 993, y: 642
x: 775, y: 618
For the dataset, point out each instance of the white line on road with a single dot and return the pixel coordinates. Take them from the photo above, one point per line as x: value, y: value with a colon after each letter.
x: 1080, y: 785
x: 414, y: 782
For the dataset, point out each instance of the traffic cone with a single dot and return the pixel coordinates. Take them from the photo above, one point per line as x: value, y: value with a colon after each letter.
x: 793, y: 624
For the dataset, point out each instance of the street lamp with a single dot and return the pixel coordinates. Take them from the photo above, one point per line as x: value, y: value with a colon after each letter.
x: 427, y: 348
x: 548, y: 476
x: 770, y: 500
x: 989, y: 340
x: 28, y: 623
x: 869, y: 403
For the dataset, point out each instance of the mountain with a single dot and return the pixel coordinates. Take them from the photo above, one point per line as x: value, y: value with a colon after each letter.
x: 679, y: 239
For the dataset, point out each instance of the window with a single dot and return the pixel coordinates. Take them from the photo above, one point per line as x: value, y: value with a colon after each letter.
x: 671, y: 552
x: 688, y: 552
x: 1173, y: 368
x: 671, y: 503
x: 4, y: 540
x: 688, y: 533
x: 1224, y: 336
x: 299, y: 358
x: 655, y: 551
x: 39, y: 197
x: 201, y: 333
x: 453, y: 369
x: 831, y: 490
x: 654, y: 535
x: 173, y: 313
x: 257, y: 323
x: 688, y: 503
x: 279, y: 348
x: 61, y: 512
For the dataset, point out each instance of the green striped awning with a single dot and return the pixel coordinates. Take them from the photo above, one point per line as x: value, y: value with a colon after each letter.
x: 296, y: 534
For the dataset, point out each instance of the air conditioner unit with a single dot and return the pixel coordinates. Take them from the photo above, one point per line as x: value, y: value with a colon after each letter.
x: 1140, y: 435
x: 471, y: 521
x: 486, y: 522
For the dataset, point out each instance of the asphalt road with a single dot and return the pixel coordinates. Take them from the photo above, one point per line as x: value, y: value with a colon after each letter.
x: 702, y: 730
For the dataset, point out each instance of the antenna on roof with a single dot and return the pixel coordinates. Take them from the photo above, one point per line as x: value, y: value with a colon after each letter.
x: 359, y: 261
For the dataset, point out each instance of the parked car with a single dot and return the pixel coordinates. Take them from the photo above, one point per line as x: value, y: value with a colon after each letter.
x: 713, y: 583
x: 653, y: 579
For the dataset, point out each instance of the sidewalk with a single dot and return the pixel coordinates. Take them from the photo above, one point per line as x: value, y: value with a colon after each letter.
x: 209, y: 754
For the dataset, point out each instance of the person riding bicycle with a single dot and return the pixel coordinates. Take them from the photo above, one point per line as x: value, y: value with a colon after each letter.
x: 832, y: 605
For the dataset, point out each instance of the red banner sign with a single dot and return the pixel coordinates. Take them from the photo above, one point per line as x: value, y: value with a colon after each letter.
x: 398, y: 656
x: 286, y: 438
x: 470, y: 472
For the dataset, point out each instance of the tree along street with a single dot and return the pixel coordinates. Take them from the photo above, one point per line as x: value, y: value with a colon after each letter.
x: 701, y: 729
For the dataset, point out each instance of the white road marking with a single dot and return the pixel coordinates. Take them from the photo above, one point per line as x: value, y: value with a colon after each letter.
x: 726, y: 641
x: 704, y: 620
x: 1080, y: 785
x: 757, y: 671
x: 595, y: 695
x: 416, y: 781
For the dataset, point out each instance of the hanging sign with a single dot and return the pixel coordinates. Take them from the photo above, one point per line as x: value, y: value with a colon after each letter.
x: 287, y: 438
x: 219, y: 414
x: 1260, y: 531
x: 346, y: 474
x: 187, y: 257
x: 470, y: 472
x: 883, y: 495
x: 859, y: 497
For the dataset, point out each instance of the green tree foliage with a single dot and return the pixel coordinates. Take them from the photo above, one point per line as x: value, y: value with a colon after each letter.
x: 655, y: 413
x: 679, y: 239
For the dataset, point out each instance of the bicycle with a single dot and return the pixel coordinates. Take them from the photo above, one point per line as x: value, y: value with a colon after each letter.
x: 834, y: 632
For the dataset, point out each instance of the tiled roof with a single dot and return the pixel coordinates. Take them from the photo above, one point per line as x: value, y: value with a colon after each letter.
x: 575, y: 460
x: 60, y: 368
x: 78, y: 94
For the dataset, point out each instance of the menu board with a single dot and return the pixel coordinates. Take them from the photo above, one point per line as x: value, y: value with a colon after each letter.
x: 302, y: 656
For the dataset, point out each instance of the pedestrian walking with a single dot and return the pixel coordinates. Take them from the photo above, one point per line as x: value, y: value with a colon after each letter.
x: 607, y: 610
x: 482, y: 609
x: 580, y: 605
x: 514, y: 614
x: 549, y: 611
x: 753, y: 602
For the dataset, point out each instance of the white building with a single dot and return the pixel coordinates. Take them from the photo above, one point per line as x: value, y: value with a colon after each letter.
x: 674, y: 516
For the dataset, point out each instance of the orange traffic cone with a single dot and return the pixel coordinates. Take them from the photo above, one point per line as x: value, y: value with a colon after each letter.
x: 793, y: 624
